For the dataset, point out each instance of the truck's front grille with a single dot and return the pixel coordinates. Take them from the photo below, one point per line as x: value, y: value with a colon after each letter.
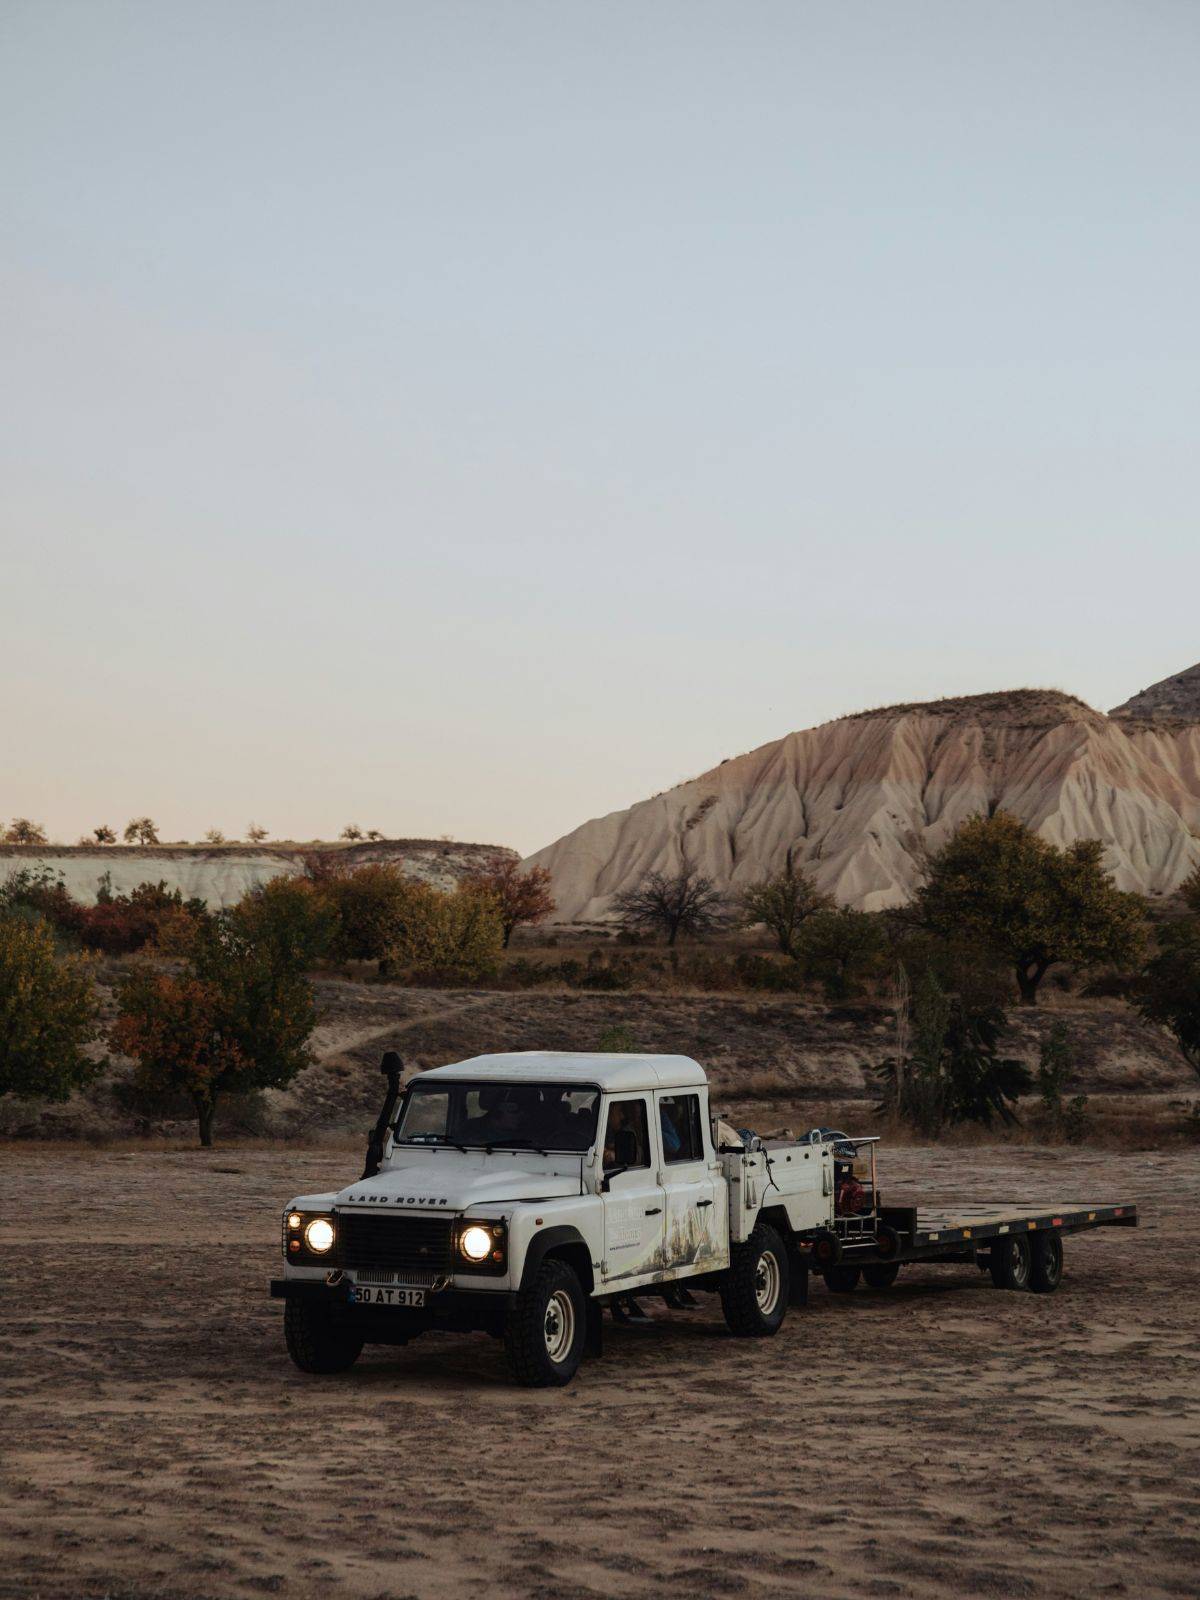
x: 407, y: 1277
x: 375, y: 1240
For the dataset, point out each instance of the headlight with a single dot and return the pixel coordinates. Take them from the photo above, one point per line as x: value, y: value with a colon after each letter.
x: 318, y: 1236
x: 475, y: 1243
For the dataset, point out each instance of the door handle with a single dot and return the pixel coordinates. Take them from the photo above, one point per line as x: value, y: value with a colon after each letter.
x: 701, y: 1203
x: 654, y: 1211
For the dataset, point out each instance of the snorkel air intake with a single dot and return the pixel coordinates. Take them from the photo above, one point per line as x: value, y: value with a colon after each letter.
x: 391, y: 1066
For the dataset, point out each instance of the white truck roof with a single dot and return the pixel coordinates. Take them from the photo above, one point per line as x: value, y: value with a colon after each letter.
x: 612, y: 1073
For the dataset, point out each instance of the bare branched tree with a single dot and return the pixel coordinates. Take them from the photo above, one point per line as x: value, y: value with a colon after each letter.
x: 685, y: 902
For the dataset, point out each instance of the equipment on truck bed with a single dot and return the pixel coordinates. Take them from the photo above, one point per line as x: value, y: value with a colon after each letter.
x: 520, y: 1195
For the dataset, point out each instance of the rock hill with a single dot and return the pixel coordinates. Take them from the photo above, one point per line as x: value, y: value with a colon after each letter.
x: 1174, y: 699
x: 859, y: 801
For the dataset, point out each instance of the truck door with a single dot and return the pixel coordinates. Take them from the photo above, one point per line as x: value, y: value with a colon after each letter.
x: 697, y: 1214
x: 632, y: 1194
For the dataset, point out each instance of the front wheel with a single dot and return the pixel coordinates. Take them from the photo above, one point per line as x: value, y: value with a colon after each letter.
x: 545, y: 1330
x: 754, y: 1290
x: 316, y: 1340
x: 1011, y: 1262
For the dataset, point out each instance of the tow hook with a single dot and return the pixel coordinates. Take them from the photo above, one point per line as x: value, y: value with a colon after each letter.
x: 334, y: 1276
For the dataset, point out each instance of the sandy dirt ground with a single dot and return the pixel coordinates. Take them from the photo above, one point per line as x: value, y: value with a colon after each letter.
x: 940, y: 1438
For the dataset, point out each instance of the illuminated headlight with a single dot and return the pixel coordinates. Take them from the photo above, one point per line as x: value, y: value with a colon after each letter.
x: 318, y: 1236
x: 475, y: 1243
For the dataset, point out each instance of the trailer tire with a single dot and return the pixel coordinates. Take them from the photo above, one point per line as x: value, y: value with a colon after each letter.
x: 842, y: 1280
x: 546, y: 1329
x: 316, y: 1341
x: 756, y: 1286
x: 1045, y: 1273
x: 1011, y: 1261
x: 881, y: 1274
x: 826, y: 1250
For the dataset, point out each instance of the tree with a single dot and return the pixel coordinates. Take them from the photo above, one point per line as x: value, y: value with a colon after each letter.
x: 235, y: 1017
x: 520, y: 896
x: 47, y: 1013
x: 1056, y: 1064
x: 42, y: 892
x: 783, y: 903
x: 255, y: 834
x: 1167, y: 991
x: 369, y: 905
x: 104, y: 834
x: 352, y: 831
x: 1190, y: 890
x: 686, y: 902
x: 141, y: 830
x: 1031, y: 902
x: 374, y: 835
x: 214, y: 836
x: 456, y: 936
x: 952, y: 1070
x: 22, y: 831
x: 837, y: 947
x: 119, y: 924
x: 291, y: 917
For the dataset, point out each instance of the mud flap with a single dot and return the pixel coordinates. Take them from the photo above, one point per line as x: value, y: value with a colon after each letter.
x: 593, y: 1339
x: 798, y: 1279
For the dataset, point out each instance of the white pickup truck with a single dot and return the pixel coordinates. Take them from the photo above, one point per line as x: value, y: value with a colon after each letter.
x: 518, y: 1195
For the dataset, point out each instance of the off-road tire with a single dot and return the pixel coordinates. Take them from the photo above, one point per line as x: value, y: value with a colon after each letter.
x: 555, y: 1296
x: 756, y: 1286
x: 842, y: 1280
x: 1011, y: 1262
x: 316, y: 1341
x: 1045, y: 1270
x: 881, y: 1274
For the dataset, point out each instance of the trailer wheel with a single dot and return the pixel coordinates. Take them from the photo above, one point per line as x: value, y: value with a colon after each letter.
x: 1010, y: 1262
x: 1045, y: 1272
x: 881, y: 1274
x: 545, y: 1329
x: 842, y: 1280
x: 317, y: 1342
x: 755, y: 1289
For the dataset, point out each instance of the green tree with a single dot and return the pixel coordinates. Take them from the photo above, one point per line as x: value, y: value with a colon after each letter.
x: 456, y: 936
x: 838, y: 947
x: 369, y: 905
x: 1167, y: 991
x: 291, y: 917
x: 47, y: 1013
x: 233, y: 1018
x: 1031, y: 902
x: 141, y: 830
x: 1056, y: 1065
x: 783, y: 903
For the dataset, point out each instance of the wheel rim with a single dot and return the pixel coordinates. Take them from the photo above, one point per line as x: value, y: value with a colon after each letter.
x: 559, y: 1325
x: 1020, y: 1265
x: 766, y: 1283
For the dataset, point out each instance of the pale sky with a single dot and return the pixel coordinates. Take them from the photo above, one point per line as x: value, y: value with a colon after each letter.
x: 471, y: 418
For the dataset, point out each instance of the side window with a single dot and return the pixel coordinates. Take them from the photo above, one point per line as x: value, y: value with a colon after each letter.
x: 627, y: 1135
x: 681, y: 1137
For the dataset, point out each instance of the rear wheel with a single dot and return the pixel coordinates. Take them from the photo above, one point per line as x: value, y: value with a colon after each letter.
x: 881, y: 1274
x: 754, y: 1291
x: 842, y: 1280
x: 1045, y: 1272
x: 316, y: 1340
x: 1010, y: 1262
x: 545, y: 1330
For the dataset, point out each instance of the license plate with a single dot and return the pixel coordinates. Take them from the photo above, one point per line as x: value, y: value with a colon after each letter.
x: 367, y: 1295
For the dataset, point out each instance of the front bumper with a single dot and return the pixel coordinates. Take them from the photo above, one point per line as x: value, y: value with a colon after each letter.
x: 450, y: 1310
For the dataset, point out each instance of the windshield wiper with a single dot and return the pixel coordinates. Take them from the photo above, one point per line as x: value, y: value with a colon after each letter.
x: 515, y: 1144
x: 432, y: 1141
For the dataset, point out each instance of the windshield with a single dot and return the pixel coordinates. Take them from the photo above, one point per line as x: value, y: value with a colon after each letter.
x: 512, y: 1116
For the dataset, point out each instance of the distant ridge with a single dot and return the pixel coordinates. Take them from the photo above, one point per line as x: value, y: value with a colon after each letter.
x: 859, y: 802
x: 1176, y: 698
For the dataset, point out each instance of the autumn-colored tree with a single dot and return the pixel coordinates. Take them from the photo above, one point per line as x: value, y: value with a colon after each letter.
x: 214, y: 836
x: 683, y: 902
x: 1031, y: 902
x: 22, y: 831
x: 783, y: 902
x: 141, y: 830
x: 120, y: 924
x: 47, y: 1012
x: 255, y: 833
x: 104, y: 834
x: 369, y: 904
x: 456, y: 936
x: 292, y: 917
x: 42, y: 892
x: 235, y: 1017
x: 521, y: 897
